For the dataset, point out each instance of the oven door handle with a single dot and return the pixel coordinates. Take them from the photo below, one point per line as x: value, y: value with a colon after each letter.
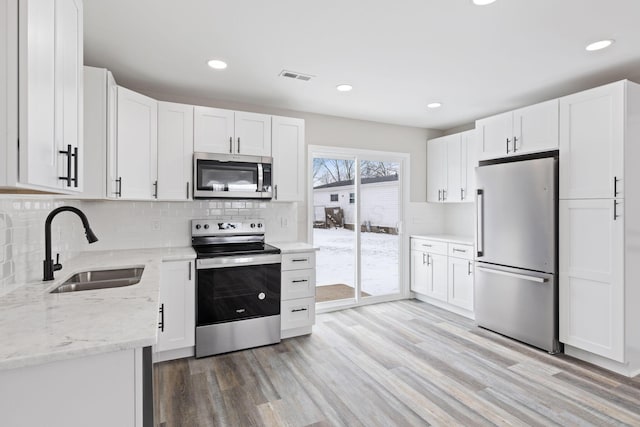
x: 237, y: 261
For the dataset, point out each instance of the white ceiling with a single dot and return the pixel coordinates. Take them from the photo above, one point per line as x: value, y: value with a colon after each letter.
x: 399, y: 55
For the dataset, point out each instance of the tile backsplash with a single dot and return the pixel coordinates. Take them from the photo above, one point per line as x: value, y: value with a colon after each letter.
x: 118, y: 225
x: 22, y: 238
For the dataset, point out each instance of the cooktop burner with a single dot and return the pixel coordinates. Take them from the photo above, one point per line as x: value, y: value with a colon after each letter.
x: 234, y: 249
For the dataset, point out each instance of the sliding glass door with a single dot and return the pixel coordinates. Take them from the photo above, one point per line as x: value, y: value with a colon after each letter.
x: 356, y: 213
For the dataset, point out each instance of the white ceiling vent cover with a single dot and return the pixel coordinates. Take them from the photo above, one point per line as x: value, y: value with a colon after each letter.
x: 296, y: 75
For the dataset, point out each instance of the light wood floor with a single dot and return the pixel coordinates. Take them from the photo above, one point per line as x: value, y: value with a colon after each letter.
x: 403, y: 363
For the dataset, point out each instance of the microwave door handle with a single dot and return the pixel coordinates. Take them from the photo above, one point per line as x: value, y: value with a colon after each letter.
x: 260, y: 178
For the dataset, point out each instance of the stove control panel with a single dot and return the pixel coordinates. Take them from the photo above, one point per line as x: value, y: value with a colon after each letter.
x: 213, y: 227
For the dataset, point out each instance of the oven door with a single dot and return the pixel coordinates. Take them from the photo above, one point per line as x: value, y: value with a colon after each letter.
x: 237, y: 287
x: 231, y: 176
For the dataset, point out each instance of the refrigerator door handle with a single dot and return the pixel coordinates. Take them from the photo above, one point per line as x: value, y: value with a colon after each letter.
x: 480, y: 222
x: 517, y: 275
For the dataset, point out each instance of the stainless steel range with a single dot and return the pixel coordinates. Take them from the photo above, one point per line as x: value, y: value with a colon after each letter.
x: 237, y: 286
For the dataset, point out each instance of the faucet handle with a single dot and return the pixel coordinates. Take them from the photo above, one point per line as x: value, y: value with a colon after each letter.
x: 57, y: 266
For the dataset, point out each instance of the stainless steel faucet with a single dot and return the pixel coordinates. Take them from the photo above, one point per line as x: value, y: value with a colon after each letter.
x: 49, y: 266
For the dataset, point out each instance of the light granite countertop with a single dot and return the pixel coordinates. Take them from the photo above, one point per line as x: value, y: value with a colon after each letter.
x: 39, y: 327
x: 294, y: 247
x: 461, y: 240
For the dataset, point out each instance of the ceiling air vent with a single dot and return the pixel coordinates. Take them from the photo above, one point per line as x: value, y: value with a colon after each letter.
x: 295, y: 75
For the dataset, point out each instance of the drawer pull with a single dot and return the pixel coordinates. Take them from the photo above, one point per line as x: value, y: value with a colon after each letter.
x: 300, y: 260
x: 299, y: 281
x: 240, y: 310
x: 295, y: 310
x: 427, y: 246
x: 161, y: 323
x: 464, y: 251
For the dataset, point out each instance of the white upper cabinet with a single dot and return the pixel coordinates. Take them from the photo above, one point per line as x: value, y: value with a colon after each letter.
x: 526, y: 130
x: 213, y: 130
x: 469, y: 159
x: 175, y: 151
x: 288, y: 159
x: 228, y: 132
x: 48, y: 62
x: 253, y: 134
x: 451, y: 162
x: 436, y: 169
x: 137, y: 143
x: 591, y: 143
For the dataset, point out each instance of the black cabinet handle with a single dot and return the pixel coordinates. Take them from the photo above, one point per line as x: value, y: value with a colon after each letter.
x: 300, y: 260
x: 119, y: 187
x: 75, y: 166
x: 299, y: 281
x: 230, y: 144
x: 238, y: 145
x: 161, y: 323
x: 469, y: 269
x: 615, y: 210
x: 508, y: 141
x: 515, y: 144
x: 155, y: 189
x: 189, y: 270
x: 615, y: 186
x: 69, y: 154
x: 187, y: 190
x: 295, y: 310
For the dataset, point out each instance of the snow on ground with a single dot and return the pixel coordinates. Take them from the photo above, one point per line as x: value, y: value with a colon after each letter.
x: 335, y: 262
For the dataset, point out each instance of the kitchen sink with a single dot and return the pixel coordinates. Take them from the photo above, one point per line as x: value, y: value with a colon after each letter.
x: 100, y: 279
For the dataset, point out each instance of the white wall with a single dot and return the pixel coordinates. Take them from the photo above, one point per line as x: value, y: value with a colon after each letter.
x: 459, y: 219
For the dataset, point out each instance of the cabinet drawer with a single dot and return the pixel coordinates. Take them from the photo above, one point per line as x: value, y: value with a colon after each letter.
x: 298, y: 261
x: 461, y: 251
x: 298, y: 284
x: 432, y: 246
x: 298, y: 313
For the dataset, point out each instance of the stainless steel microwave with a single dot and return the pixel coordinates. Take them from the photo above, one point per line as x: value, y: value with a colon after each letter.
x: 231, y: 176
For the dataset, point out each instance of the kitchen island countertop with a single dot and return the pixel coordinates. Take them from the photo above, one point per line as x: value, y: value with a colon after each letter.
x: 38, y: 327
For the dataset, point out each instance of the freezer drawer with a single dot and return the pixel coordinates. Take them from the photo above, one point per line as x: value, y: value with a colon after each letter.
x: 519, y: 304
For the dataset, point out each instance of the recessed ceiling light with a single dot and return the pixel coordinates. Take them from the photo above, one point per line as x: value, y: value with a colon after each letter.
x: 344, y: 88
x: 434, y: 105
x: 217, y: 64
x: 600, y: 44
x: 482, y: 2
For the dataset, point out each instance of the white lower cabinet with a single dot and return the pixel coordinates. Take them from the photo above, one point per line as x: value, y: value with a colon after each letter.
x: 442, y: 274
x: 176, y: 335
x: 298, y: 294
x: 99, y: 390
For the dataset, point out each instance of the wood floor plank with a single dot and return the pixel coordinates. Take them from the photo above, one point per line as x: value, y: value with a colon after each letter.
x: 403, y: 363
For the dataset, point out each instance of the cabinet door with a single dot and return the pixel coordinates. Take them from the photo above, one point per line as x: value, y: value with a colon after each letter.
x: 535, y: 128
x: 137, y: 144
x: 175, y: 150
x: 68, y: 89
x: 39, y: 147
x: 112, y: 137
x: 495, y: 136
x: 437, y: 279
x: 591, y: 277
x: 453, y: 188
x: 591, y: 143
x: 288, y: 159
x: 436, y: 169
x: 460, y: 283
x: 419, y: 272
x: 253, y: 134
x: 469, y: 162
x: 213, y: 130
x: 177, y: 301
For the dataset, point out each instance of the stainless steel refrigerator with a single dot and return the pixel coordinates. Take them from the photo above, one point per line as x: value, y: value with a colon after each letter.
x: 516, y: 288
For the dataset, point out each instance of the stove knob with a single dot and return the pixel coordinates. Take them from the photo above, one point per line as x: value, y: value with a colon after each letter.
x: 253, y: 225
x: 261, y: 296
x: 259, y: 225
x: 221, y: 226
x: 198, y: 226
x: 206, y: 226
